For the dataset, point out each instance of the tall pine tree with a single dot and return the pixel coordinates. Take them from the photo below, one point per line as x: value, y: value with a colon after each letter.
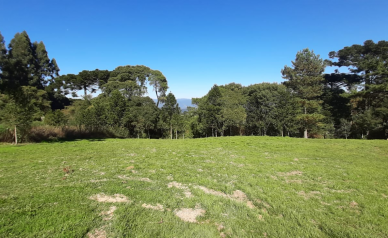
x: 305, y: 79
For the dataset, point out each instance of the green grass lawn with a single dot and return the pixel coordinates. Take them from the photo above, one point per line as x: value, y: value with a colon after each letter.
x: 215, y: 187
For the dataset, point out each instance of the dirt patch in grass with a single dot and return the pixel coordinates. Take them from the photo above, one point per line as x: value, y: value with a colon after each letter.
x: 158, y: 207
x: 97, y: 233
x: 189, y: 214
x: 108, y: 215
x: 130, y: 167
x: 237, y: 195
x: 294, y: 181
x: 135, y: 179
x: 170, y: 177
x: 353, y: 204
x: 339, y: 191
x: 384, y: 196
x: 105, y: 198
x: 98, y: 180
x: 180, y: 186
x: 292, y: 173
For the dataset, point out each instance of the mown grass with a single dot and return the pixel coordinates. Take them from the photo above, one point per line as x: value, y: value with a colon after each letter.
x: 299, y: 188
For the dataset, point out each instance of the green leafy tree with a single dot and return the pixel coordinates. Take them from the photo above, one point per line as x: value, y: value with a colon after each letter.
x: 212, y: 109
x: 142, y: 115
x: 233, y: 111
x: 305, y: 79
x: 159, y: 83
x: 56, y: 118
x: 30, y: 105
x: 169, y: 109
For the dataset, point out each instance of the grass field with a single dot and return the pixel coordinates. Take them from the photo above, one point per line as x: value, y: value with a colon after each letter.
x: 215, y: 187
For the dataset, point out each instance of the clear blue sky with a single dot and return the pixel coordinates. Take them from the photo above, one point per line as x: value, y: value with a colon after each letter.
x: 195, y: 43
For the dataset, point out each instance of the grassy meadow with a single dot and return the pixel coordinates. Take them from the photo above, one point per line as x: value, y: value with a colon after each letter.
x: 214, y: 187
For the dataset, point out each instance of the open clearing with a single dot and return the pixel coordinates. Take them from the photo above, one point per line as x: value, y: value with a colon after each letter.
x: 214, y: 187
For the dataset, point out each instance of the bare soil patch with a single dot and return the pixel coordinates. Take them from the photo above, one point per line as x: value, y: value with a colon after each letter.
x: 177, y: 185
x: 292, y: 173
x: 180, y: 186
x: 98, y: 180
x: 353, y: 204
x: 105, y: 198
x: 108, y: 215
x: 97, y: 233
x: 158, y: 207
x: 135, y: 179
x: 189, y: 214
x: 237, y: 195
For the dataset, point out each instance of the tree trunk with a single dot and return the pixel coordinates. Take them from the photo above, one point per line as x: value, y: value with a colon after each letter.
x: 171, y: 132
x: 305, y: 129
x: 85, y: 91
x: 176, y: 134
x: 282, y: 132
x: 157, y: 102
x: 183, y: 135
x: 16, y: 136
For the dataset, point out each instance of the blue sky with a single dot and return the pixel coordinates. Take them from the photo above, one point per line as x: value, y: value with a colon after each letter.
x: 195, y: 43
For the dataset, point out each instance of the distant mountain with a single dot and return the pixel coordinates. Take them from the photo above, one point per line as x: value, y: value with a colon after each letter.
x: 183, y: 103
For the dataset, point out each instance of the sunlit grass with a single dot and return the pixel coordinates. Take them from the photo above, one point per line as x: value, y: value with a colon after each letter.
x: 288, y: 187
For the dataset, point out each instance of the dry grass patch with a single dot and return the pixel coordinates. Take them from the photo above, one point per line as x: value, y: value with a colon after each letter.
x: 180, y: 186
x: 292, y: 173
x: 98, y: 180
x: 113, y: 199
x: 189, y: 214
x: 158, y: 207
x: 135, y: 179
x: 108, y: 215
x: 97, y: 233
x: 237, y: 195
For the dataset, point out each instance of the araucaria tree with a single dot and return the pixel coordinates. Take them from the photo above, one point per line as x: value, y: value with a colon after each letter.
x: 305, y: 79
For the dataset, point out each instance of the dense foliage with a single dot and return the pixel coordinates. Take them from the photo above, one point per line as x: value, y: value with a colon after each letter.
x: 308, y: 104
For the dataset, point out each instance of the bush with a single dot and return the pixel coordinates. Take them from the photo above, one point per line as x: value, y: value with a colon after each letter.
x: 56, y: 118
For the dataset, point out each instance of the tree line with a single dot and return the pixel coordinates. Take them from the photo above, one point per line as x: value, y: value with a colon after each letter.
x: 309, y: 103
